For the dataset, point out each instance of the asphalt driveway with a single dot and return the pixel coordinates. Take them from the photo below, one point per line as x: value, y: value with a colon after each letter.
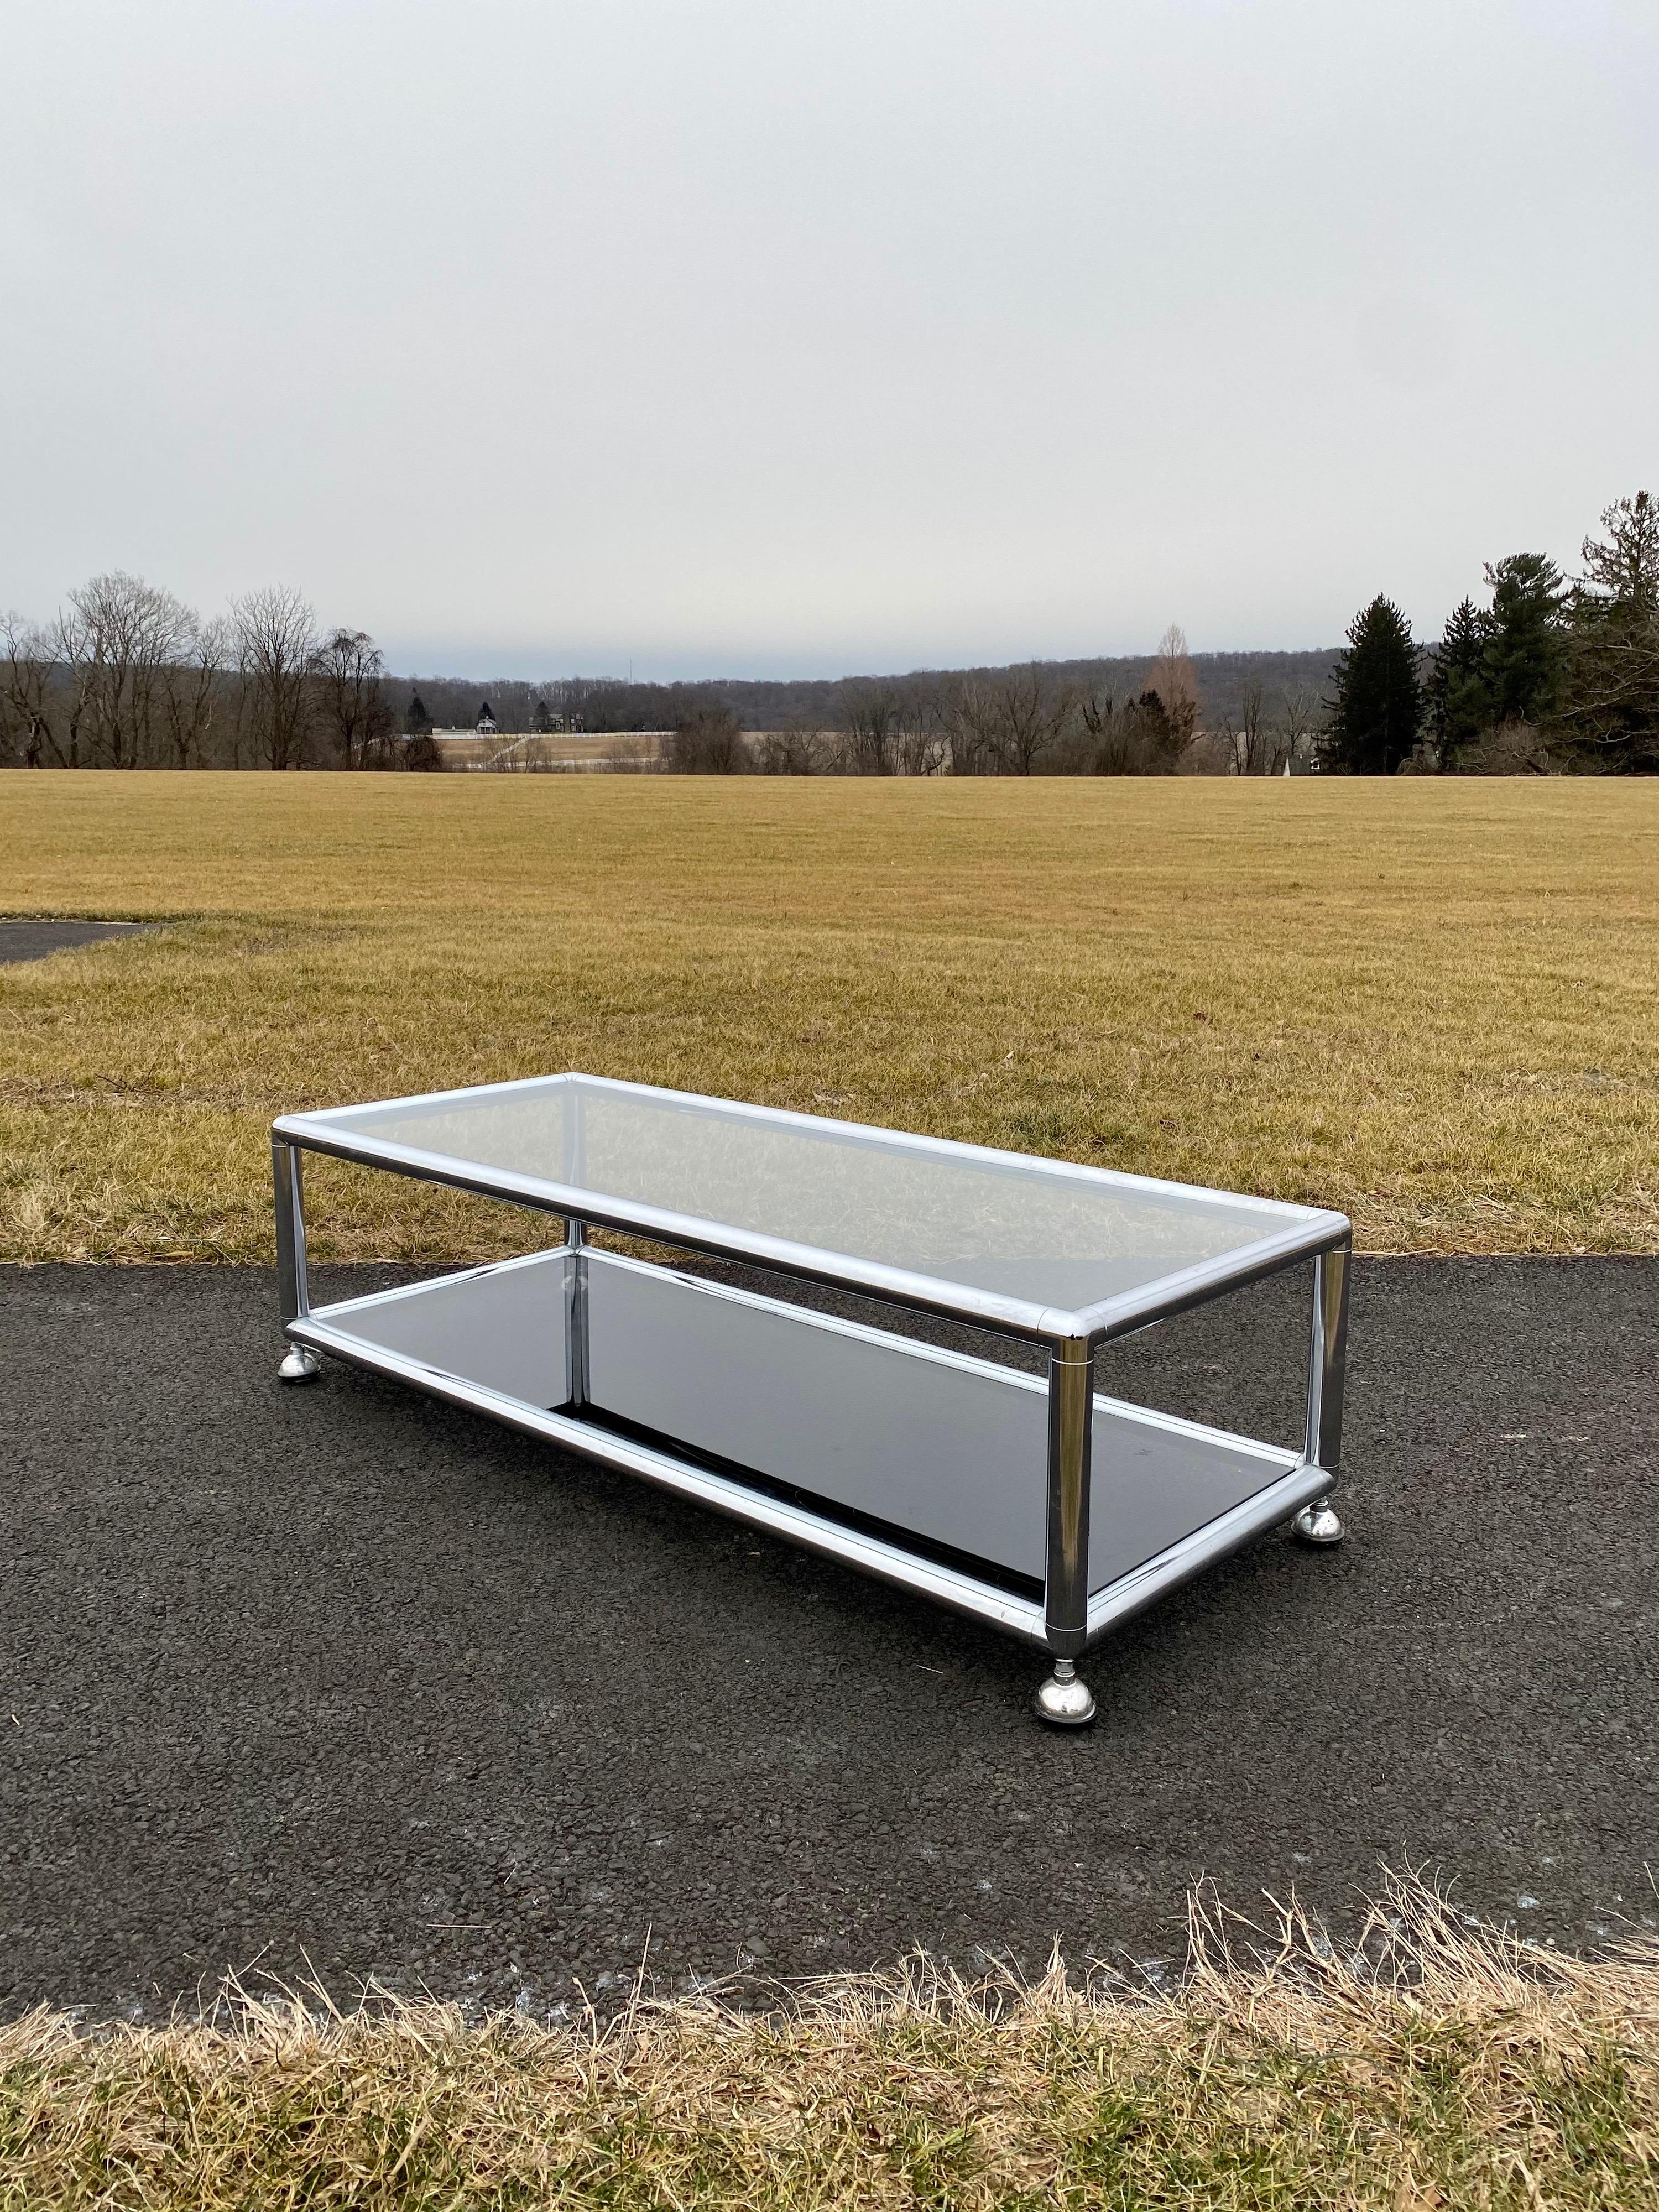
x: 338, y: 1680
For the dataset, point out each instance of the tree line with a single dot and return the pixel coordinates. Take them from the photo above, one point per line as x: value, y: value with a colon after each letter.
x: 1034, y: 719
x: 1556, y: 674
x: 608, y: 705
x: 127, y: 675
x: 1023, y: 721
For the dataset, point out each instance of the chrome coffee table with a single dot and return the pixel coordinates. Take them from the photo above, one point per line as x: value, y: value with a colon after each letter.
x: 1031, y: 1503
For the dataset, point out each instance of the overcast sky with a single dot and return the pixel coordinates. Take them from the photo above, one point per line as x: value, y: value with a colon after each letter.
x: 812, y: 336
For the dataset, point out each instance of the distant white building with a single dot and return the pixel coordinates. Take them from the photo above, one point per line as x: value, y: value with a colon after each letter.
x: 486, y: 723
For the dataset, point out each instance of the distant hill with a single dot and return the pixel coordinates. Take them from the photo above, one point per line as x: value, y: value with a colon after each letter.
x: 767, y: 703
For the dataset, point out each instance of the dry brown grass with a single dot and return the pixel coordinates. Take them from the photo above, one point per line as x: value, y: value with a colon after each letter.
x: 1433, y: 1005
x: 1435, y: 2069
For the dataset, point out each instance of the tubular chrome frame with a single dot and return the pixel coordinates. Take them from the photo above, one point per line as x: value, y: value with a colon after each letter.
x: 1071, y: 1432
x: 292, y: 1286
x: 1070, y: 1619
x: 1290, y: 1233
x: 1288, y: 1485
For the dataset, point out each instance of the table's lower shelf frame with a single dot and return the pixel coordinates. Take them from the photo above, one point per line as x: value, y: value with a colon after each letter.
x: 1066, y: 1619
x: 1276, y: 1502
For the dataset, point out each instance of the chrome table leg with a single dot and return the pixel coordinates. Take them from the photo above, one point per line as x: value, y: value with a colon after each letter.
x: 299, y: 1363
x: 575, y: 1317
x: 1319, y: 1523
x: 1063, y: 1698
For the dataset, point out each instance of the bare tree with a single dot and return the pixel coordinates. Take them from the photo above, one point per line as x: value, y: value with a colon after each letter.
x: 1259, y: 747
x: 890, y: 729
x: 871, y: 713
x: 119, y: 640
x: 1304, y: 717
x: 1017, y: 722
x: 1036, y: 715
x: 1116, y: 735
x: 27, y: 662
x: 351, y: 700
x: 1109, y: 749
x: 970, y: 725
x: 1174, y: 680
x: 922, y: 748
x: 708, y: 742
x: 276, y: 633
x: 792, y: 752
x: 192, y: 698
x: 1126, y: 737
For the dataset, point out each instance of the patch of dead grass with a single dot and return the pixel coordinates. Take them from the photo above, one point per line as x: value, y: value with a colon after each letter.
x: 1433, y: 1005
x: 1428, y: 2067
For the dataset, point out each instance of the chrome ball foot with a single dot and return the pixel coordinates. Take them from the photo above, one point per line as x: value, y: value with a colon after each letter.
x: 1063, y: 1700
x: 1318, y: 1523
x: 299, y: 1364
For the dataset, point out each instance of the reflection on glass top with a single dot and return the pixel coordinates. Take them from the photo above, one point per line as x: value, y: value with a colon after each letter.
x: 1036, y: 1230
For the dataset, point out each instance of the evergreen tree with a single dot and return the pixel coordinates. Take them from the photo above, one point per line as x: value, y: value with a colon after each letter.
x: 1458, y: 697
x: 1623, y: 572
x: 1526, y: 640
x: 417, y: 723
x: 1166, y: 735
x: 1378, y: 710
x: 1610, y: 713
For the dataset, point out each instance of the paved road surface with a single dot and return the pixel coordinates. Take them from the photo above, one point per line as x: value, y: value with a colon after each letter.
x: 337, y: 1675
x: 33, y: 940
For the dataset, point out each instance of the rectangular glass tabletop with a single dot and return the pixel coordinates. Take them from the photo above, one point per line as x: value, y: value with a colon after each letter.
x: 1043, y: 1248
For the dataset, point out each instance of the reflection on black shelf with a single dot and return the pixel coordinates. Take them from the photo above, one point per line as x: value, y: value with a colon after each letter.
x: 790, y: 1493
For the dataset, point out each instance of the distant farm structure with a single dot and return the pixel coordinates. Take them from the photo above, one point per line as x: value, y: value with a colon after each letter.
x: 539, y: 752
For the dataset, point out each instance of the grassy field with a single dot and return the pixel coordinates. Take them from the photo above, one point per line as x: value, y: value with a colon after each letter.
x: 1434, y: 1004
x: 1464, y: 2074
